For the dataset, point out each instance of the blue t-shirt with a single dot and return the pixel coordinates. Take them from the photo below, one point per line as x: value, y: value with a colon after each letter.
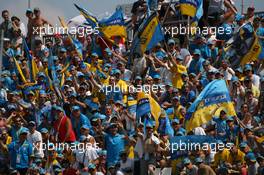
x: 83, y: 120
x: 196, y: 66
x: 114, y: 145
x: 6, y: 59
x: 20, y: 154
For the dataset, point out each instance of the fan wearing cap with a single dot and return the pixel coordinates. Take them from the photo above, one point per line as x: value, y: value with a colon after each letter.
x: 35, y: 138
x: 249, y: 86
x: 221, y: 125
x: 203, y: 169
x: 78, y: 120
x: 222, y: 155
x: 249, y: 73
x: 114, y: 142
x: 232, y: 130
x: 177, y: 69
x: 252, y: 163
x: 252, y: 102
x: 191, y: 169
x: 196, y: 65
x: 7, y: 55
x: 20, y: 152
x: 62, y: 126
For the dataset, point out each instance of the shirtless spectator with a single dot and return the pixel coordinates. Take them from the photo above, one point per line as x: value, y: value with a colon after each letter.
x: 29, y: 15
x: 38, y: 24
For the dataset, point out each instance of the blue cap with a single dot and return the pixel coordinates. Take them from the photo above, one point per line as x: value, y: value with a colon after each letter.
x: 32, y: 123
x: 179, y: 57
x: 247, y: 67
x: 68, y: 79
x: 41, y: 74
x: 23, y: 131
x: 175, y: 121
x: 243, y: 145
x: 107, y: 65
x: 186, y: 161
x: 168, y: 84
x: 55, y: 58
x: 197, y: 52
x: 62, y: 49
x: 230, y: 118
x: 44, y: 130
x: 91, y: 166
x: 239, y: 69
x: 117, y: 71
x: 171, y: 41
x: 149, y: 125
x: 198, y: 160
x: 156, y: 76
x: 179, y: 133
x: 76, y: 108
x: 94, y: 54
x: 80, y: 74
x: 42, y: 92
x: 251, y: 156
x: 85, y: 126
x: 234, y: 79
x: 45, y: 49
x: 138, y: 78
x: 73, y: 94
x: 102, y: 153
x: 57, y: 108
x: 239, y: 17
x: 29, y: 10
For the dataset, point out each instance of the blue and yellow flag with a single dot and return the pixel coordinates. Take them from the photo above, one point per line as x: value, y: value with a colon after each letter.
x: 191, y: 8
x: 114, y: 25
x: 146, y: 104
x: 213, y: 96
x: 88, y: 16
x: 150, y: 33
x: 33, y: 68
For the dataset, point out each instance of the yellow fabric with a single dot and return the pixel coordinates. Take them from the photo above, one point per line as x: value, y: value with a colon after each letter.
x: 8, y: 140
x: 20, y: 71
x: 204, y: 114
x: 239, y: 157
x: 255, y: 91
x: 177, y: 112
x: 131, y: 154
x: 114, y: 30
x: 187, y: 9
x: 253, y: 52
x: 177, y: 71
x: 220, y: 157
x: 35, y: 69
x: 154, y: 107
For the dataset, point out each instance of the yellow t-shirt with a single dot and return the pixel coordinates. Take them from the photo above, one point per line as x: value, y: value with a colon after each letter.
x: 239, y: 157
x: 221, y: 157
x: 176, y: 75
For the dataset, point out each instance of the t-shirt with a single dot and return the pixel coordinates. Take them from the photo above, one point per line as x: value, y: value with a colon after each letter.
x: 114, y: 145
x: 33, y: 139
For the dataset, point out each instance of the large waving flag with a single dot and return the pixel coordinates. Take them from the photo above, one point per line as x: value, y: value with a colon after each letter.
x: 146, y: 104
x: 213, y: 96
x: 150, y: 33
x: 114, y: 25
x: 243, y: 47
x: 92, y: 20
x: 33, y: 68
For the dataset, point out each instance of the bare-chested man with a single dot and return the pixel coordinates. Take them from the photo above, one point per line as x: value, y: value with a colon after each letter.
x: 29, y: 15
x: 38, y: 24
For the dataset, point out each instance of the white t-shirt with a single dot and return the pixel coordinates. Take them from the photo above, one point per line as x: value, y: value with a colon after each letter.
x: 33, y: 139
